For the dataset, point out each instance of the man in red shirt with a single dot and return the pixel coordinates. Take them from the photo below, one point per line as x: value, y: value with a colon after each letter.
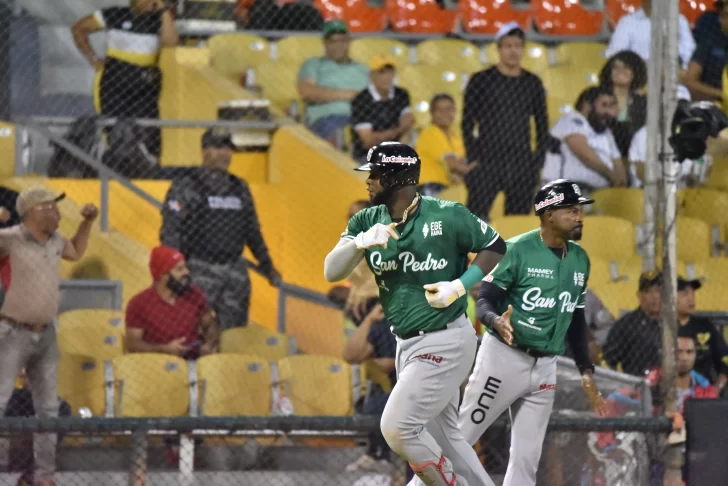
x: 171, y: 316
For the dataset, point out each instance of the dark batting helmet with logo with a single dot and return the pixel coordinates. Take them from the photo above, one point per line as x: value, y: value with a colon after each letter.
x: 394, y: 164
x: 559, y: 194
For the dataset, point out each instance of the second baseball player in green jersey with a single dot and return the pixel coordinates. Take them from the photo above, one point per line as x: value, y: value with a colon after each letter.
x: 432, y: 248
x: 544, y: 290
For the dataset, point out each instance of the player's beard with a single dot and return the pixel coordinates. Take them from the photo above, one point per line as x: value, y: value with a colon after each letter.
x: 382, y: 197
x: 575, y: 234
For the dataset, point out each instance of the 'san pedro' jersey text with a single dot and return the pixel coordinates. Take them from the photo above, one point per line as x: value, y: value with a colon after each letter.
x: 433, y: 246
x: 543, y: 289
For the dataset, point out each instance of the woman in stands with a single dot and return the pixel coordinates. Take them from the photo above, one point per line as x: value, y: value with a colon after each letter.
x: 128, y: 82
x: 625, y: 76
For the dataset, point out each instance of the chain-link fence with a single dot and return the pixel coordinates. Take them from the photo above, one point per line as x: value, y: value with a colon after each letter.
x: 120, y: 104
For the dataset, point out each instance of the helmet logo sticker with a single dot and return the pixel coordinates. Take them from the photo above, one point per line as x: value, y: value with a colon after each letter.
x: 550, y: 201
x: 369, y: 155
x: 398, y: 159
x: 576, y: 189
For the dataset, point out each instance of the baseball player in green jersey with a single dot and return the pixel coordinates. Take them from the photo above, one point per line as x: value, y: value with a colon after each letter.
x: 417, y: 247
x: 531, y: 303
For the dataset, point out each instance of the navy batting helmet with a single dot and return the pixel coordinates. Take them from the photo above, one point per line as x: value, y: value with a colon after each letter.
x: 558, y: 194
x: 394, y: 164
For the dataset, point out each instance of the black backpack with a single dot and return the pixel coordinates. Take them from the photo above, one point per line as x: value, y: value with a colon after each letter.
x: 127, y: 152
x: 85, y: 134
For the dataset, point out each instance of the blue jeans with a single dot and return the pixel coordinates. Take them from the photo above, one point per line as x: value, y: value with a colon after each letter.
x: 378, y: 447
x: 327, y: 126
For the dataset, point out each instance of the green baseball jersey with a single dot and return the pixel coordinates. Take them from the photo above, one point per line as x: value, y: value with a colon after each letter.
x: 433, y: 246
x: 543, y: 289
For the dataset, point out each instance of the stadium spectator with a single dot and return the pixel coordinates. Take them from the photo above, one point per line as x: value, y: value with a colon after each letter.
x: 598, y: 318
x: 441, y: 149
x: 625, y: 76
x: 373, y: 340
x: 172, y: 315
x: 209, y: 215
x: 128, y: 82
x: 704, y: 75
x: 327, y: 84
x: 27, y: 334
x: 711, y: 360
x: 589, y: 155
x: 21, y: 451
x: 634, y: 343
x: 633, y: 32
x: 501, y: 101
x: 381, y: 112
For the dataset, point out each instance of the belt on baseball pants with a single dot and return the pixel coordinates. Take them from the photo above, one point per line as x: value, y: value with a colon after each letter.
x: 24, y: 325
x: 533, y: 352
x: 415, y: 334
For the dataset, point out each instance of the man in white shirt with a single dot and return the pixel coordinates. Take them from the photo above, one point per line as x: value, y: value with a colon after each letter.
x: 589, y: 154
x: 633, y: 34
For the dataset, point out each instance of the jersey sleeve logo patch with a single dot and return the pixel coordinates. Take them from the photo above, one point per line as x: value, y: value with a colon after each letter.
x: 483, y: 225
x: 579, y: 279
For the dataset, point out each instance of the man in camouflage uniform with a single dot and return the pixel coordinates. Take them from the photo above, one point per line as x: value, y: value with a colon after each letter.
x: 209, y: 215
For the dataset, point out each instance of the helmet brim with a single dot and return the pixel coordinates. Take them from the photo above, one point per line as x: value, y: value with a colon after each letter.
x: 365, y: 168
x: 585, y: 200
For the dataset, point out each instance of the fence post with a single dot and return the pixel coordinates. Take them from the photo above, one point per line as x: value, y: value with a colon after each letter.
x: 104, y: 202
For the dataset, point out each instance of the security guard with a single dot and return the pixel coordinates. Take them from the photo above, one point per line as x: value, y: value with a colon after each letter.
x: 128, y: 82
x: 209, y: 215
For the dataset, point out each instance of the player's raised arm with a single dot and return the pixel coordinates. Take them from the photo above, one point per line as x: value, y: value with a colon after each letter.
x: 347, y: 254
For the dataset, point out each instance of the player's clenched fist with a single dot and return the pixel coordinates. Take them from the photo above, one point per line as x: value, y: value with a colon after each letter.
x: 441, y: 294
x: 502, y: 326
x: 377, y: 235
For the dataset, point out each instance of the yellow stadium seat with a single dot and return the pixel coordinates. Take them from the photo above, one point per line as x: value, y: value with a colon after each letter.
x: 277, y: 81
x: 718, y: 176
x: 581, y: 54
x: 231, y: 54
x: 608, y: 237
x: 319, y: 385
x: 712, y: 271
x: 631, y: 268
x: 234, y: 385
x: 364, y: 48
x: 694, y: 240
x: 81, y: 383
x: 564, y: 84
x: 150, y: 385
x: 255, y: 340
x: 535, y: 56
x: 711, y: 298
x: 458, y: 55
x: 510, y: 226
x: 618, y: 297
x: 296, y: 49
x: 620, y: 202
x: 424, y: 82
x: 708, y: 205
x: 600, y: 273
x: 94, y: 333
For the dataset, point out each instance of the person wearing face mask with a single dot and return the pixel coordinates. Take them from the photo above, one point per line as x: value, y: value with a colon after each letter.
x: 209, y: 216
x: 588, y: 154
x: 172, y: 316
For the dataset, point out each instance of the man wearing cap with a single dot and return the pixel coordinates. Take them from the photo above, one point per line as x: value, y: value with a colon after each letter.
x: 209, y: 216
x: 711, y: 358
x: 634, y: 343
x: 381, y: 112
x: 171, y: 316
x: 328, y: 83
x: 27, y: 335
x: 501, y: 101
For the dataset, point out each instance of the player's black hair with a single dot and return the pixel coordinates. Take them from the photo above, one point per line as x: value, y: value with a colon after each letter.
x: 590, y: 95
x: 439, y: 97
x: 634, y: 62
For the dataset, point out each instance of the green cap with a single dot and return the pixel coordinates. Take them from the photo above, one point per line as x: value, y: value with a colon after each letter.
x: 335, y: 26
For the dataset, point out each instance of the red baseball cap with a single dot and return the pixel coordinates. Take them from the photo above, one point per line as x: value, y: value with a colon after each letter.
x: 162, y: 260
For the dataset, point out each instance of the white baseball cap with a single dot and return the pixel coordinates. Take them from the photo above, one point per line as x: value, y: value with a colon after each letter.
x: 508, y: 28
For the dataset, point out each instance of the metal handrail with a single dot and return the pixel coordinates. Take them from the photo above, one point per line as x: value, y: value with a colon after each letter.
x: 154, y: 122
